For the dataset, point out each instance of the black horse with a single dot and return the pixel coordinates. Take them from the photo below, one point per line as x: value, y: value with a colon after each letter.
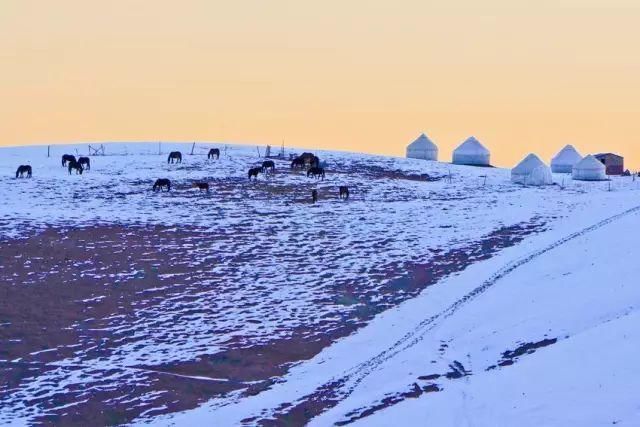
x: 253, y: 172
x: 344, y: 192
x: 68, y: 158
x: 314, y: 196
x: 160, y: 183
x: 22, y: 169
x: 298, y: 162
x: 77, y: 166
x: 85, y: 162
x: 316, y: 172
x: 201, y: 186
x: 175, y: 155
x: 307, y: 157
x: 268, y: 165
x: 214, y: 152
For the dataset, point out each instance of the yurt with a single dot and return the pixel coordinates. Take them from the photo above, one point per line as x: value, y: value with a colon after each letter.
x: 471, y: 152
x: 532, y: 171
x: 422, y: 148
x: 565, y: 160
x: 589, y: 169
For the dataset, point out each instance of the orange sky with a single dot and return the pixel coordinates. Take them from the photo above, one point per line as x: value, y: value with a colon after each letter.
x: 359, y: 75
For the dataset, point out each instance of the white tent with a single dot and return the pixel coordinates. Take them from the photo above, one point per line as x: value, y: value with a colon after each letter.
x: 471, y: 152
x: 532, y: 171
x: 422, y: 148
x: 589, y: 169
x: 565, y: 160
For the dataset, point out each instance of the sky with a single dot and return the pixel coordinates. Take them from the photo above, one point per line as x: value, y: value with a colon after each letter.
x: 355, y: 75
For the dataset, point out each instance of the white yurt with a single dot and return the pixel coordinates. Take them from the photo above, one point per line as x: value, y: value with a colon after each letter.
x: 565, y: 160
x: 532, y: 171
x: 471, y: 152
x: 422, y: 148
x: 589, y: 169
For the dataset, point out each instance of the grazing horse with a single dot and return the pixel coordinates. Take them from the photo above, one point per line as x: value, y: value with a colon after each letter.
x: 68, y: 158
x: 316, y: 172
x: 298, y: 162
x: 162, y: 182
x: 344, y: 192
x: 268, y: 165
x: 314, y: 196
x: 253, y: 172
x: 77, y: 166
x: 22, y: 169
x: 214, y: 152
x: 201, y: 186
x: 175, y: 155
x: 85, y: 162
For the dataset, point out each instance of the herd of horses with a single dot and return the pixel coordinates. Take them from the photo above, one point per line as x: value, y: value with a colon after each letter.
x: 306, y: 160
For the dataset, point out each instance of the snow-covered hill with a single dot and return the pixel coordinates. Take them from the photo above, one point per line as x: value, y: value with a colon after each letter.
x: 437, y: 295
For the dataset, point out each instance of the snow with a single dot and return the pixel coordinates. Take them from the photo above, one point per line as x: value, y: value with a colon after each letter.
x: 559, y: 283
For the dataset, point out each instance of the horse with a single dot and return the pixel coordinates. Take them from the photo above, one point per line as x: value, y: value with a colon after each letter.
x: 214, y: 152
x: 162, y: 182
x: 344, y: 192
x: 68, y: 158
x: 175, y: 155
x: 315, y: 162
x: 268, y: 164
x: 201, y: 186
x: 22, y: 169
x: 316, y: 172
x: 77, y: 166
x: 314, y: 196
x: 85, y: 162
x: 297, y: 163
x: 254, y: 172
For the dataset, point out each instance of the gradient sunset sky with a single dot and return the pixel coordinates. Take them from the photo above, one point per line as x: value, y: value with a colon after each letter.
x: 335, y: 74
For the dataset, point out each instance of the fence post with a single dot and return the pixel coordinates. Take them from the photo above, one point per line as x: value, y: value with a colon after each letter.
x: 192, y: 147
x: 48, y: 150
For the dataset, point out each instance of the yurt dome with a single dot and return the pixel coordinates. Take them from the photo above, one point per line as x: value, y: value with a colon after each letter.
x: 532, y: 171
x: 565, y: 160
x: 589, y: 169
x: 471, y: 152
x: 422, y: 148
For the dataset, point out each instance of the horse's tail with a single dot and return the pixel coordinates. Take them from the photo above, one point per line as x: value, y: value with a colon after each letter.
x: 17, y: 172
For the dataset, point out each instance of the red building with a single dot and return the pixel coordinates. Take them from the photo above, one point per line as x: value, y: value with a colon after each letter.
x: 613, y: 163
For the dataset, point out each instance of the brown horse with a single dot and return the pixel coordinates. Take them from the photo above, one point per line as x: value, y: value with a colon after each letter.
x: 316, y: 172
x: 77, y: 166
x: 344, y: 192
x: 253, y: 172
x: 214, y: 152
x: 201, y: 186
x: 268, y: 165
x: 160, y: 183
x: 22, y: 169
x: 85, y: 162
x: 174, y: 155
x: 68, y: 158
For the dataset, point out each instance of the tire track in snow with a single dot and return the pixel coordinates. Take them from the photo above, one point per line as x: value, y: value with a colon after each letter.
x: 353, y: 377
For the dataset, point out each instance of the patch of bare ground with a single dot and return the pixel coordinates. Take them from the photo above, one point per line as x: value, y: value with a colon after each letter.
x: 85, y: 296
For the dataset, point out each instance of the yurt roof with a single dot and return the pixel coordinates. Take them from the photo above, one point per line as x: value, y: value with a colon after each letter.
x: 590, y: 163
x: 529, y: 163
x: 568, y: 155
x: 423, y: 141
x: 471, y: 146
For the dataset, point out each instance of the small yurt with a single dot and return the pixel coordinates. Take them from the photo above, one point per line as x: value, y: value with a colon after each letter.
x: 532, y: 171
x: 471, y: 152
x: 565, y: 160
x: 589, y: 169
x: 422, y: 148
